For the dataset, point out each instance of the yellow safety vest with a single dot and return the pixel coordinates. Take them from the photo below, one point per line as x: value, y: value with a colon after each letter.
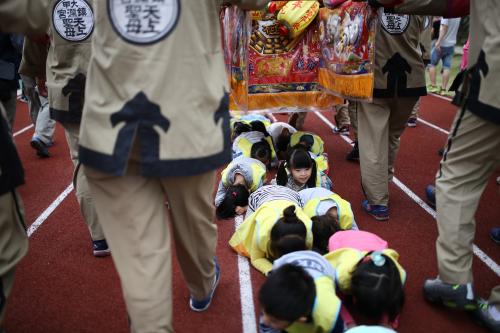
x: 317, y: 147
x: 344, y: 210
x: 255, y: 231
x: 247, y: 119
x: 245, y: 146
x: 322, y: 164
x: 325, y: 312
x: 344, y: 261
x: 258, y: 176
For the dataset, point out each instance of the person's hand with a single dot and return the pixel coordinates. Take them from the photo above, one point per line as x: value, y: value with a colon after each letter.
x: 42, y: 87
x: 438, y: 47
x: 240, y: 210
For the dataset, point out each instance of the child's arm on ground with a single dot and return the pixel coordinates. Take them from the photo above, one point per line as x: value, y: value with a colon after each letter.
x: 259, y: 261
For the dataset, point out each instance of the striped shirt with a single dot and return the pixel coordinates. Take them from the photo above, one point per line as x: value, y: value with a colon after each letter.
x: 272, y: 192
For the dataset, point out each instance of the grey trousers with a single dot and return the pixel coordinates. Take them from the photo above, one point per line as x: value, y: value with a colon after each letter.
x: 39, y: 112
x: 10, y: 109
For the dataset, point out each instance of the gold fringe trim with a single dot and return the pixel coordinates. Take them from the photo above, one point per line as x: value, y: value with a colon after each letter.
x: 355, y: 86
x: 316, y: 99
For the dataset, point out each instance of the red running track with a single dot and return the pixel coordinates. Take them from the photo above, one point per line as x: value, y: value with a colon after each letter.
x: 61, y: 287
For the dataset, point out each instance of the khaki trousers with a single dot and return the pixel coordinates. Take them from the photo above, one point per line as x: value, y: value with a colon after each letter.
x: 416, y: 109
x: 134, y: 218
x: 80, y: 183
x: 380, y: 125
x: 13, y: 244
x: 472, y: 154
x: 347, y: 114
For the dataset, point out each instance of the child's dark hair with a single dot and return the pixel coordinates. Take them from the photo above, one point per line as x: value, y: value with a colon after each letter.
x: 307, y: 140
x: 288, y: 293
x: 236, y: 195
x: 240, y: 127
x: 323, y: 227
x: 282, y: 142
x: 261, y: 150
x: 259, y: 126
x: 298, y: 157
x: 377, y: 288
x: 288, y: 234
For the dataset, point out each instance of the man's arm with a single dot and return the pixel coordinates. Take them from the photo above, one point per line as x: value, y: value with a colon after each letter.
x: 445, y: 8
x: 24, y: 16
x: 35, y: 53
x: 442, y: 32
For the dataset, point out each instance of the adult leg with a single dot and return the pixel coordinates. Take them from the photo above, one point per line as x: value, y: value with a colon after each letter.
x: 82, y: 191
x: 29, y: 85
x: 13, y: 244
x: 373, y: 139
x: 10, y: 109
x: 352, y: 108
x: 447, y: 60
x: 471, y: 157
x: 133, y: 212
x: 435, y: 57
x: 44, y: 129
x: 297, y: 119
x: 414, y: 113
x: 342, y: 119
x: 446, y: 78
x: 432, y: 75
x: 45, y: 126
x: 401, y: 109
x: 195, y: 233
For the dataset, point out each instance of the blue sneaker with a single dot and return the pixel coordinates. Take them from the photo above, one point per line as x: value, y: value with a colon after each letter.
x: 457, y: 296
x: 100, y: 248
x: 202, y: 305
x: 495, y: 234
x: 40, y: 147
x: 430, y: 193
x: 484, y: 314
x: 379, y: 212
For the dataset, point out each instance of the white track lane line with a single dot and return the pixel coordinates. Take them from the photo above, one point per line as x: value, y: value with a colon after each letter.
x: 449, y: 99
x: 433, y: 126
x: 21, y: 131
x: 46, y: 213
x: 477, y: 251
x: 246, y: 294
